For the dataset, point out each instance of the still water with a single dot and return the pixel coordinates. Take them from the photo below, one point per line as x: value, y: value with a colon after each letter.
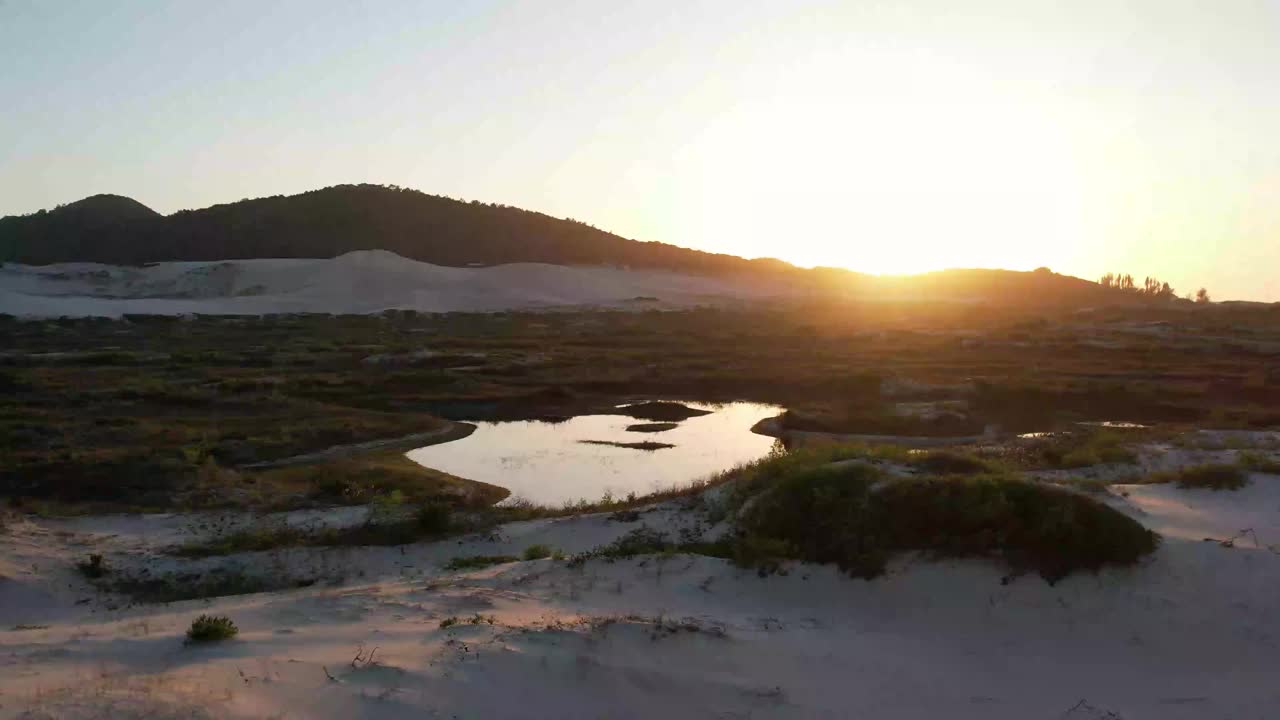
x: 548, y: 464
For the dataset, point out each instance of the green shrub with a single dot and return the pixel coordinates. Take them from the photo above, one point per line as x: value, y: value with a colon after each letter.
x: 211, y: 628
x: 475, y: 562
x: 858, y: 517
x: 536, y: 552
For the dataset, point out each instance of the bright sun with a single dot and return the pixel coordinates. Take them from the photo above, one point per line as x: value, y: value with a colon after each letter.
x: 901, y: 184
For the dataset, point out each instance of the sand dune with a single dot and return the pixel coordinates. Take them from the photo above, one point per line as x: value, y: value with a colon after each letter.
x: 1190, y: 634
x: 358, y: 282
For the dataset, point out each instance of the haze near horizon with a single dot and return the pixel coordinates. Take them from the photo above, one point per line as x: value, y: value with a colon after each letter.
x: 885, y: 138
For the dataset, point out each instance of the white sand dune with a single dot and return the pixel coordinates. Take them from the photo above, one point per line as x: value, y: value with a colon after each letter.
x: 358, y: 282
x: 1191, y: 634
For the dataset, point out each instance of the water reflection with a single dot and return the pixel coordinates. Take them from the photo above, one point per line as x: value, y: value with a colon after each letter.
x: 549, y: 464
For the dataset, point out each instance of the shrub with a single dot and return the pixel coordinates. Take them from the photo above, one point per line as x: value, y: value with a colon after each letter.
x: 93, y: 568
x: 948, y: 462
x: 536, y: 552
x: 211, y: 628
x: 1075, y: 451
x: 1212, y: 477
x: 858, y: 517
x: 1259, y: 462
x: 434, y: 518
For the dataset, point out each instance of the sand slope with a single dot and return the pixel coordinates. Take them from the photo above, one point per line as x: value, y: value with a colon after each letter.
x: 358, y: 282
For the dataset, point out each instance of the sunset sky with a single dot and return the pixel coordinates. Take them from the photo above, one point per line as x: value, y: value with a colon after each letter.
x: 881, y: 136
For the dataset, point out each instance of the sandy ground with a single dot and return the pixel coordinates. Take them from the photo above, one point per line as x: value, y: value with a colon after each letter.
x: 1194, y: 633
x: 366, y: 281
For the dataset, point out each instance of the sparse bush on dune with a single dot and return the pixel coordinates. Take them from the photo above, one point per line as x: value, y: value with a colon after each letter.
x: 537, y: 552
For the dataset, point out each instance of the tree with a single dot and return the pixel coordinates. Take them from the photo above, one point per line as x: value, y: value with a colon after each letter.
x: 1202, y: 296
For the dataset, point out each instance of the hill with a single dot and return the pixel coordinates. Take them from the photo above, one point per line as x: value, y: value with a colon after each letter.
x: 336, y: 220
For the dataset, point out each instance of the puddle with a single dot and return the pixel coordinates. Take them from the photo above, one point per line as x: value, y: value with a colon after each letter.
x: 549, y: 464
x: 1114, y: 424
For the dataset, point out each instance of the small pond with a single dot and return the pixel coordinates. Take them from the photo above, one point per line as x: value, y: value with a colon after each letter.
x: 555, y: 463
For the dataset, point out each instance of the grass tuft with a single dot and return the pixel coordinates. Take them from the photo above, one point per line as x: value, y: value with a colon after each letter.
x: 211, y: 628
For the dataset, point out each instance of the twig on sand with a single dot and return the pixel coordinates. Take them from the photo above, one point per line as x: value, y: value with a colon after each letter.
x: 1096, y: 713
x: 1246, y: 533
x: 328, y: 674
x: 361, y: 659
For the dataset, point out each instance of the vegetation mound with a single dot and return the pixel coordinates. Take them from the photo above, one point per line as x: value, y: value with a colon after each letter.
x: 647, y: 445
x: 858, y: 517
x: 662, y: 411
x: 653, y: 427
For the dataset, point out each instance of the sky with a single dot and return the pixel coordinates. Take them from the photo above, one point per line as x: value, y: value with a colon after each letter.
x: 886, y: 137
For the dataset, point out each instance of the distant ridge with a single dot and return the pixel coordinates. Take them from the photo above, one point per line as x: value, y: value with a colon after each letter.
x: 442, y: 231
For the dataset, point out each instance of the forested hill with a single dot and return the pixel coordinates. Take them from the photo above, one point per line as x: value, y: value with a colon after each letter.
x: 336, y: 220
